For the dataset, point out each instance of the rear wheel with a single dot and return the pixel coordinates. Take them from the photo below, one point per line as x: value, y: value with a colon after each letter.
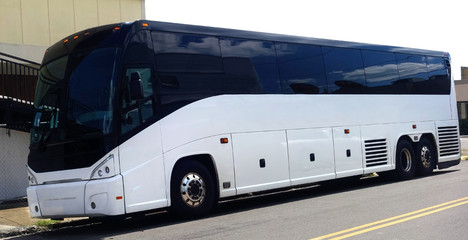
x: 405, y: 160
x: 425, y: 157
x: 192, y: 189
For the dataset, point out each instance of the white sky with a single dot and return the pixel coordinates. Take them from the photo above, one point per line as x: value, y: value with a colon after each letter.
x: 427, y: 24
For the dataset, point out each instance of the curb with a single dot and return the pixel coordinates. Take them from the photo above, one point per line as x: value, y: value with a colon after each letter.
x: 9, y: 231
x: 18, y: 231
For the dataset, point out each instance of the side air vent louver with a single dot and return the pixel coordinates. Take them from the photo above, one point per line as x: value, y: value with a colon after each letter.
x: 449, y: 143
x: 376, y: 152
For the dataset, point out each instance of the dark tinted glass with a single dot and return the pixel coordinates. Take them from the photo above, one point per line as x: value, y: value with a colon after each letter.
x: 189, y: 68
x: 74, y: 129
x: 413, y: 72
x: 136, y: 112
x: 139, y: 49
x: 186, y: 53
x: 345, y: 71
x: 240, y: 55
x: 91, y: 90
x: 381, y: 72
x: 439, y: 79
x: 301, y: 68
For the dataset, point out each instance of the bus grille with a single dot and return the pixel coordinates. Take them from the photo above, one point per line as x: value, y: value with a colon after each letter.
x: 376, y: 152
x: 449, y: 143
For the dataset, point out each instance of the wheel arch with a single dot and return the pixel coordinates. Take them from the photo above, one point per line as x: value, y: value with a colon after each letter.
x: 432, y: 139
x: 204, y: 159
x: 403, y: 137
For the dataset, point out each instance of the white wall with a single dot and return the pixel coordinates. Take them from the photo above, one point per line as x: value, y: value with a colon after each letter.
x: 13, y: 159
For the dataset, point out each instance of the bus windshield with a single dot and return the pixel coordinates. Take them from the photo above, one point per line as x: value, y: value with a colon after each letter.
x: 74, y: 110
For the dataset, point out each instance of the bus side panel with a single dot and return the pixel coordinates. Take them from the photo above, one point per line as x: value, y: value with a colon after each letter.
x: 310, y: 155
x: 348, y: 154
x: 448, y: 143
x: 377, y: 139
x: 453, y: 100
x: 261, y: 161
x: 378, y: 143
x: 142, y: 168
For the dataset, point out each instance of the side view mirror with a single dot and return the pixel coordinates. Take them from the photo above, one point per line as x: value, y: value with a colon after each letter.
x: 136, y: 86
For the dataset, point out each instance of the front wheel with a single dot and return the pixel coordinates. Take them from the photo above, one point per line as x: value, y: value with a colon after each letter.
x: 192, y: 189
x: 405, y: 160
x: 425, y: 157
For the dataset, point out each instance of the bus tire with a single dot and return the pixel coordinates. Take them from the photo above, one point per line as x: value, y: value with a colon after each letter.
x: 425, y: 157
x: 404, y: 160
x: 192, y: 189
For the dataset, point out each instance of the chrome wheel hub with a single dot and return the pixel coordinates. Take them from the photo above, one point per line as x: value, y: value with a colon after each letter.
x: 192, y: 189
x: 426, y: 156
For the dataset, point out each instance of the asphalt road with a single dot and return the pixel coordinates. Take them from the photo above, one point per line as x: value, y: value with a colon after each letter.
x: 434, y: 207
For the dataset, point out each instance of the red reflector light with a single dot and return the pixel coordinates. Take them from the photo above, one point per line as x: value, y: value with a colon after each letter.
x: 118, y: 198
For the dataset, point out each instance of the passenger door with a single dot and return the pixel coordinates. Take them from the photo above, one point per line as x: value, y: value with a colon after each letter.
x: 141, y: 158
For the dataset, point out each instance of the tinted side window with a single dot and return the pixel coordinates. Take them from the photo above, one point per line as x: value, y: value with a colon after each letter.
x: 240, y: 54
x: 345, y: 71
x: 439, y: 79
x: 136, y: 112
x: 413, y: 72
x: 301, y: 68
x: 188, y: 68
x: 186, y: 53
x: 381, y: 72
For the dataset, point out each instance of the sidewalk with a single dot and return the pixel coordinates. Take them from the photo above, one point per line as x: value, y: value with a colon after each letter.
x: 15, y: 217
x: 16, y: 221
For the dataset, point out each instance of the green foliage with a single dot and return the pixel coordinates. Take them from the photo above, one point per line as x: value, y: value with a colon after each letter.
x: 46, y: 223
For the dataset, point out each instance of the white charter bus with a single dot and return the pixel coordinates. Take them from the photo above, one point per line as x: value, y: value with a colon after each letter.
x: 144, y: 115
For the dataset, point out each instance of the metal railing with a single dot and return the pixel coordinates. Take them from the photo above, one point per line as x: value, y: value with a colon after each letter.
x: 18, y: 79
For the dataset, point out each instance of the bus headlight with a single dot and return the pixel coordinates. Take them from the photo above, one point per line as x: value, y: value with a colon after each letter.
x: 104, y: 169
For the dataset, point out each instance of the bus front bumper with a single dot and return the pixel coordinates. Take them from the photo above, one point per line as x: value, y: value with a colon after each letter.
x: 77, y: 199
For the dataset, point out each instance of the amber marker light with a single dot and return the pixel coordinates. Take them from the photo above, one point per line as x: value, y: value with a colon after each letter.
x: 117, y: 28
x: 65, y: 41
x: 224, y: 140
x: 144, y: 24
x: 414, y: 126
x: 346, y: 131
x: 75, y: 37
